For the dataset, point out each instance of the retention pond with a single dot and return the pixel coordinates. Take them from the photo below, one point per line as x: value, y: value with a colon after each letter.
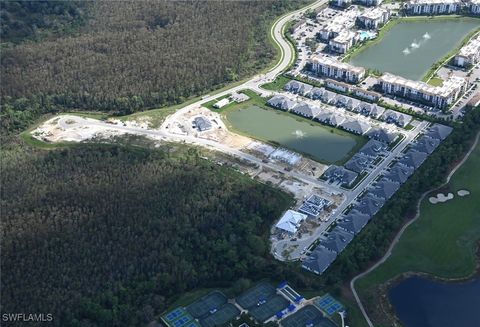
x: 319, y: 142
x: 411, y: 47
x: 421, y: 302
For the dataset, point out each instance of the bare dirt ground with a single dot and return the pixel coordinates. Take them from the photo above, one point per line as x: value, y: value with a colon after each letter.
x: 66, y: 128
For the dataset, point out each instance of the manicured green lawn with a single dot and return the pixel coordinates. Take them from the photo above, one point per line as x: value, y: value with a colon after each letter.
x: 277, y: 84
x: 442, y: 241
x: 436, y: 81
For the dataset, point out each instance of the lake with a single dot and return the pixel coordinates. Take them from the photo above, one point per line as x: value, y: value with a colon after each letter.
x: 421, y: 302
x: 294, y: 133
x: 410, y: 48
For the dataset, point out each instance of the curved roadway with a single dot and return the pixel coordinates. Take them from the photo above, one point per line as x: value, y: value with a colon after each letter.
x: 287, y: 55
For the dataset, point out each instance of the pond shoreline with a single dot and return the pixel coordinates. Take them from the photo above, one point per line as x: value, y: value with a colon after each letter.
x: 384, y: 305
x: 358, y: 140
x: 351, y: 56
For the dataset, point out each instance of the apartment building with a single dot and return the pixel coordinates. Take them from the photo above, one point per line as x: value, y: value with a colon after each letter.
x: 433, y: 7
x: 373, y: 19
x: 474, y: 7
x: 343, y: 42
x: 330, y: 31
x: 331, y: 68
x: 345, y: 20
x: 436, y: 96
x: 370, y: 2
x: 341, y: 3
x: 469, y: 54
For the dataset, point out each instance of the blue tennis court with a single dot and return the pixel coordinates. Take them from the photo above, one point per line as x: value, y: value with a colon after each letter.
x: 182, y: 321
x: 179, y: 317
x: 328, y: 304
x: 171, y: 316
x: 207, y: 305
x: 325, y: 301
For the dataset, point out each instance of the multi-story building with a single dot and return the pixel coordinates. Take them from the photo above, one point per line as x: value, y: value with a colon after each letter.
x: 435, y: 96
x: 370, y: 2
x: 329, y: 67
x: 341, y: 3
x: 432, y: 7
x: 373, y: 19
x: 329, y: 31
x: 474, y: 7
x: 469, y: 54
x: 343, y: 41
x: 345, y: 20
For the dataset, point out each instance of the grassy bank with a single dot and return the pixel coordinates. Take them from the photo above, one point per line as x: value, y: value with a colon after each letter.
x: 440, y: 243
x: 430, y: 75
x: 256, y: 100
x: 392, y: 23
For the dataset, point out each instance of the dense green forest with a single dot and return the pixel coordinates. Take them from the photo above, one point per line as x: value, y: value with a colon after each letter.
x: 110, y: 235
x: 80, y: 226
x: 25, y: 19
x: 133, y: 55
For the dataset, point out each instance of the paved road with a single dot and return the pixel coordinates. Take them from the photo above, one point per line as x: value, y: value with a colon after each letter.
x: 400, y: 233
x: 70, y: 122
x: 350, y: 197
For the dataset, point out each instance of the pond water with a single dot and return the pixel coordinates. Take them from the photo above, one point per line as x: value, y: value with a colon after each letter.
x: 421, y: 302
x: 410, y: 48
x: 294, y: 133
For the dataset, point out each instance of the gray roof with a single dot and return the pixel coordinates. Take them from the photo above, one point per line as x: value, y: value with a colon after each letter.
x: 399, y: 174
x: 352, y: 104
x: 327, y: 96
x: 395, y: 117
x: 316, y: 93
x: 298, y: 87
x: 240, y: 97
x: 439, y: 131
x: 281, y: 102
x: 319, y: 260
x: 368, y: 109
x: 382, y: 135
x: 329, y: 118
x: 369, y: 205
x: 355, y: 126
x: 358, y: 163
x: 341, y: 100
x: 340, y: 174
x: 354, y: 221
x: 413, y: 159
x: 372, y: 148
x: 384, y: 189
x: 306, y: 109
x: 277, y: 100
x: 426, y: 145
x: 202, y: 123
x: 337, y: 240
x: 336, y: 119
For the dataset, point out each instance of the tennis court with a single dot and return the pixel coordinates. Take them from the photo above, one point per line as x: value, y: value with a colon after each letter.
x: 328, y: 304
x: 223, y: 315
x: 207, y: 304
x: 308, y: 316
x: 272, y: 306
x: 258, y: 294
x: 179, y: 318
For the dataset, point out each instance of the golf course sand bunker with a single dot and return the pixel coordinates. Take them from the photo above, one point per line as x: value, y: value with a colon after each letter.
x: 463, y: 193
x: 440, y: 198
